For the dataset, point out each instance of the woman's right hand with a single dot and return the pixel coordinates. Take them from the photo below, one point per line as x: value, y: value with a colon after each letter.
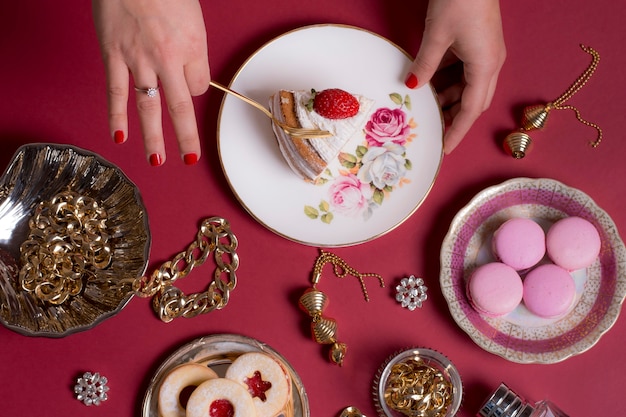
x: 154, y: 44
x: 469, y: 32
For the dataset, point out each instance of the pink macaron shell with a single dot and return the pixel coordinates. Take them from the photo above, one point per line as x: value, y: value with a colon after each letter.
x: 573, y: 243
x: 549, y: 291
x: 519, y: 242
x: 495, y: 289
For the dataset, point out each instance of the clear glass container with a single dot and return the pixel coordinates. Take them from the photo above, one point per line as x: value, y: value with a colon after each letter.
x: 506, y: 403
x: 434, y: 382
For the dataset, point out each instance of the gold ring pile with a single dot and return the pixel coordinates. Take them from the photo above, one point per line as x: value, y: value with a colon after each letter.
x: 417, y: 389
x: 67, y: 243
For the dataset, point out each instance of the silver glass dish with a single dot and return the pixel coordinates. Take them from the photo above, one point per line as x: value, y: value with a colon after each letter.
x: 432, y: 359
x: 38, y: 172
x: 218, y: 352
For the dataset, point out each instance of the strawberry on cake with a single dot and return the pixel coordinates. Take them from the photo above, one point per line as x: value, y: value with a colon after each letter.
x: 334, y: 110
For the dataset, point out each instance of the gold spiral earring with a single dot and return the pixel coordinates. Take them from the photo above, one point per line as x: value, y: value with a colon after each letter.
x: 519, y: 143
x: 314, y: 302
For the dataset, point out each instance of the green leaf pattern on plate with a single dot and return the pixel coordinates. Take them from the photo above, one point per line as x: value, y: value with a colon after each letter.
x: 376, y: 167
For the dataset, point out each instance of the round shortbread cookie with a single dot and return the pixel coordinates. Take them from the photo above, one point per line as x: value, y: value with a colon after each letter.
x: 181, y: 377
x: 265, y: 379
x: 220, y: 397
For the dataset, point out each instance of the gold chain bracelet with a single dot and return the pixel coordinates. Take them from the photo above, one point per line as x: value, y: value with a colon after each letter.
x: 169, y: 302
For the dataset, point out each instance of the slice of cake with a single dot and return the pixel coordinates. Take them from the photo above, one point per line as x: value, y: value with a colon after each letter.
x: 342, y: 114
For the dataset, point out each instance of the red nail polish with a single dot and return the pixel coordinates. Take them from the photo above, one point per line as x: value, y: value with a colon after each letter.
x: 411, y: 80
x: 155, y: 160
x: 190, y: 158
x: 118, y: 136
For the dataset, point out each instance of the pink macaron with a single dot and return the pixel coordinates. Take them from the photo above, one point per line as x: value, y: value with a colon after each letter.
x: 573, y: 243
x: 520, y: 243
x: 549, y: 291
x: 495, y: 289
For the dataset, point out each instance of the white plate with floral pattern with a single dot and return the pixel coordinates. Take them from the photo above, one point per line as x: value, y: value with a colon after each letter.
x: 345, y: 208
x: 521, y: 336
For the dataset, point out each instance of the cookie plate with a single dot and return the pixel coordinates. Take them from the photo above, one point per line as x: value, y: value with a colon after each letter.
x: 218, y: 352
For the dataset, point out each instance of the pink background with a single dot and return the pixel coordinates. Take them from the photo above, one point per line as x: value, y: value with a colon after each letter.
x: 52, y: 90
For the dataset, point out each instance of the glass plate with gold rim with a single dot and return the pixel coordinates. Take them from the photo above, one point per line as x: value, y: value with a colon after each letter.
x: 218, y: 351
x: 521, y: 336
x: 343, y: 210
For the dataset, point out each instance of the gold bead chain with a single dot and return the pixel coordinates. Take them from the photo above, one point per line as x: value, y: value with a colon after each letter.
x: 341, y: 270
x: 575, y: 87
x: 519, y: 142
x: 582, y: 80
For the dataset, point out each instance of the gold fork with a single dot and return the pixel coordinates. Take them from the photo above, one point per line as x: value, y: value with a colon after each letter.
x: 290, y: 130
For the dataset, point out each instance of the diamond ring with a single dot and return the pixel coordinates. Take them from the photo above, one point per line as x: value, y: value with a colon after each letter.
x: 150, y: 92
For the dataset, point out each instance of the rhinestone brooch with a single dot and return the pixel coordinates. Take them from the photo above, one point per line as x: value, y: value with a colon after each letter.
x: 91, y: 389
x: 411, y: 292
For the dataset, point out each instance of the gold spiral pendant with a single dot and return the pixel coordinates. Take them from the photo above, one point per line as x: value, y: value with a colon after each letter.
x: 518, y: 143
x: 535, y: 117
x: 324, y: 330
x: 313, y: 301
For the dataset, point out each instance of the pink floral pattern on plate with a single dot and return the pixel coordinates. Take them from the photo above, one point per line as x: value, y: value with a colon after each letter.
x: 376, y: 167
x: 521, y: 337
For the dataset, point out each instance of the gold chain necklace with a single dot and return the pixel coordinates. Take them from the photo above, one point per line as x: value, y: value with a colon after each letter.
x: 518, y: 143
x: 314, y: 302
